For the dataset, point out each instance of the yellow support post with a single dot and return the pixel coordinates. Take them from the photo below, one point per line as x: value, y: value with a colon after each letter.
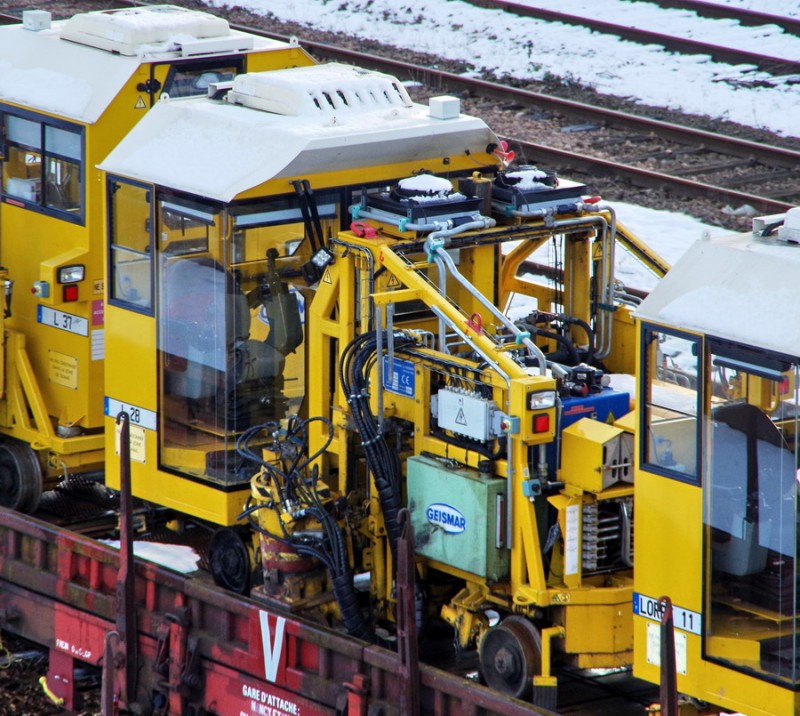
x: 548, y: 634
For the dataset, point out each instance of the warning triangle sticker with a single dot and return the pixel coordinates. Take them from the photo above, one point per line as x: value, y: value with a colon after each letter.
x: 326, y: 277
x: 140, y: 104
x: 461, y: 419
x: 393, y: 282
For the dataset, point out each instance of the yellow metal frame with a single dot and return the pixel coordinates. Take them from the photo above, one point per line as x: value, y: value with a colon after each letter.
x: 596, y: 605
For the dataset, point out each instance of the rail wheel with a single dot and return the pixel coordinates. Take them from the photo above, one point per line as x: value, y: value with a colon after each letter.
x: 20, y: 476
x: 230, y: 560
x: 510, y: 655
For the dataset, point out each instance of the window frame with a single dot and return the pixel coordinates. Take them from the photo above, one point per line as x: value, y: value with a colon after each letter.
x: 114, y: 300
x: 198, y: 64
x: 40, y: 206
x: 645, y: 463
x: 766, y: 364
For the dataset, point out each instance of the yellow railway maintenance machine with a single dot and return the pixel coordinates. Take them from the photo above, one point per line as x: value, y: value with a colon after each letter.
x: 309, y: 266
x: 69, y: 91
x: 716, y: 492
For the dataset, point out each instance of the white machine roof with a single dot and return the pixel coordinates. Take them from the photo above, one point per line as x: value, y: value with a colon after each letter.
x: 128, y: 30
x: 42, y: 71
x: 219, y: 150
x: 738, y: 287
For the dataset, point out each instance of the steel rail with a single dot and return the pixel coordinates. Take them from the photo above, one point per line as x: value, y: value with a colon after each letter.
x: 719, y: 53
x: 644, y: 178
x: 744, y: 17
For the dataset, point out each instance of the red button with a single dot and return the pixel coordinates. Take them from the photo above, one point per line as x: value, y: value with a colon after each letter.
x: 541, y: 423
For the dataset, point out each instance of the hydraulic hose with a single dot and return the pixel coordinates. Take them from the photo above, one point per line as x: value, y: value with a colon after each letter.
x: 587, y: 329
x: 352, y: 615
x: 564, y: 341
x: 354, y: 369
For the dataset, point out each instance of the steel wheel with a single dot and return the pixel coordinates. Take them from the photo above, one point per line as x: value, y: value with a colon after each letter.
x: 230, y: 561
x: 20, y: 476
x: 510, y: 655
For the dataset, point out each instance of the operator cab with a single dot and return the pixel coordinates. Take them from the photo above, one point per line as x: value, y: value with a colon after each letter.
x: 716, y: 492
x: 226, y: 319
x: 216, y: 244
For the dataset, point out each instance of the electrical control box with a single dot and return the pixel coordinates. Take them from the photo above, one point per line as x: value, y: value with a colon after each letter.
x: 458, y: 515
x: 464, y: 412
x: 595, y: 455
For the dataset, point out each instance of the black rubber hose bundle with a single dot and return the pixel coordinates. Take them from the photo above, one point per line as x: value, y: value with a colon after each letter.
x: 355, y: 367
x: 352, y: 615
x: 298, y: 483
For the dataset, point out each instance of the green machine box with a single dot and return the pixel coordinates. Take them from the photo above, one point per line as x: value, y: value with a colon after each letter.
x: 457, y: 514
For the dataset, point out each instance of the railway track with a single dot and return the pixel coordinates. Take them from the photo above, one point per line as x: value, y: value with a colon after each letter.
x: 719, y: 53
x: 743, y: 16
x: 595, y: 143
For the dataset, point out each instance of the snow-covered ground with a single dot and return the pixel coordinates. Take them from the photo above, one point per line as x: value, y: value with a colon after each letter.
x: 508, y: 45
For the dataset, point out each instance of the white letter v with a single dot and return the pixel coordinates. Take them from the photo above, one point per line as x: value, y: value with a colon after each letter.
x: 272, y: 650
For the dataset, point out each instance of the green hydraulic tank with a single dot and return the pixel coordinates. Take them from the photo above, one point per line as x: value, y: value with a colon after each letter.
x: 458, y: 515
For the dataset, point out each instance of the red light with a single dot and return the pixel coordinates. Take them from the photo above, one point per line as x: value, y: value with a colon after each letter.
x: 70, y: 293
x: 541, y: 423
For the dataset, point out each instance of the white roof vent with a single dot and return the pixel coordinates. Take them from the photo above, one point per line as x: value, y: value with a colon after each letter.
x: 36, y: 20
x: 790, y: 231
x: 319, y: 90
x: 126, y: 31
x: 444, y: 107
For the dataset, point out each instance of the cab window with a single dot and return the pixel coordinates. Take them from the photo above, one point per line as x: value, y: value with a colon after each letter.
x: 230, y: 322
x: 750, y: 508
x: 130, y: 252
x: 43, y: 164
x: 673, y: 391
x: 281, y: 223
x: 193, y: 79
